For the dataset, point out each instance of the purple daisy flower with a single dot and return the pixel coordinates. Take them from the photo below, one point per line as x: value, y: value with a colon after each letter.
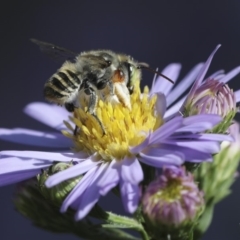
x: 105, y: 161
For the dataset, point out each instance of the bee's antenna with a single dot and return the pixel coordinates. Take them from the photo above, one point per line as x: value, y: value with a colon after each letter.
x: 146, y: 66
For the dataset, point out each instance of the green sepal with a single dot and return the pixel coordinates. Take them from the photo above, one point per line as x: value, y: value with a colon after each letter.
x: 224, y: 124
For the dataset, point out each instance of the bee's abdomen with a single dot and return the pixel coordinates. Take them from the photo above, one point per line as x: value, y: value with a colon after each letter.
x: 61, y: 85
x: 74, y: 77
x: 52, y: 95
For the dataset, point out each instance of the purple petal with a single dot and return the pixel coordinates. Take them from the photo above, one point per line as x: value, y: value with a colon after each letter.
x: 51, y: 115
x: 140, y: 147
x: 237, y: 95
x: 14, y: 164
x: 204, y: 146
x: 71, y: 172
x: 161, y: 104
x: 163, y: 132
x: 130, y: 196
x: 50, y: 156
x: 35, y: 138
x: 195, y: 128
x: 191, y: 155
x: 213, y: 118
x: 204, y: 70
x: 163, y: 85
x: 10, y: 178
x: 110, y: 178
x: 78, y: 190
x: 87, y: 201
x: 91, y: 194
x: 205, y: 136
x: 200, y: 76
x: 230, y: 75
x: 158, y: 157
x: 131, y: 171
x: 219, y: 77
x: 174, y: 109
x: 216, y: 74
x: 184, y: 84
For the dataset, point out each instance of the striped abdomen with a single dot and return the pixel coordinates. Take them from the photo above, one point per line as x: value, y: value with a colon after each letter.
x: 63, y: 86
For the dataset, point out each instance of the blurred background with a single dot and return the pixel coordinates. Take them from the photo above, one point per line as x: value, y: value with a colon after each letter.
x: 157, y: 32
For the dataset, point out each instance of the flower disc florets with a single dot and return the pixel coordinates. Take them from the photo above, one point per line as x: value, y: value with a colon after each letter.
x: 122, y: 127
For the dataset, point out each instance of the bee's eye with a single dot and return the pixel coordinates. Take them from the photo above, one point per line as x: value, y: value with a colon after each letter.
x: 130, y: 69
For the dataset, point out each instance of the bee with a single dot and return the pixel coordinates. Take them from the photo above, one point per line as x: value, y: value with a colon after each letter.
x: 92, y: 75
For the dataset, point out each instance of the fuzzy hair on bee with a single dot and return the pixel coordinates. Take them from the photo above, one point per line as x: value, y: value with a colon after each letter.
x: 100, y: 74
x: 92, y: 75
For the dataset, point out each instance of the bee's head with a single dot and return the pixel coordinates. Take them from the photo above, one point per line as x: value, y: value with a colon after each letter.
x: 131, y: 71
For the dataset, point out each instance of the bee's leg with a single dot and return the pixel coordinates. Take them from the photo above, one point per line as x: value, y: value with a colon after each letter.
x: 93, y: 98
x: 111, y: 87
x: 103, y: 83
x: 99, y: 122
x: 70, y: 107
x: 75, y: 130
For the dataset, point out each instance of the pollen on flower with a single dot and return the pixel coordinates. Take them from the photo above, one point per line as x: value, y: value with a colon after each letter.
x: 123, y: 127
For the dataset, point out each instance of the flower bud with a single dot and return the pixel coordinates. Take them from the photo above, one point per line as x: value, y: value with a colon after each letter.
x: 212, y: 97
x: 172, y: 203
x: 57, y: 193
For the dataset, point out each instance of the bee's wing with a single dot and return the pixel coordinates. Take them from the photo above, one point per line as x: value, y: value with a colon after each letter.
x: 55, y: 52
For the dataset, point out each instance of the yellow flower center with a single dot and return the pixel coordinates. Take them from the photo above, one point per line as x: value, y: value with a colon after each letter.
x: 123, y: 127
